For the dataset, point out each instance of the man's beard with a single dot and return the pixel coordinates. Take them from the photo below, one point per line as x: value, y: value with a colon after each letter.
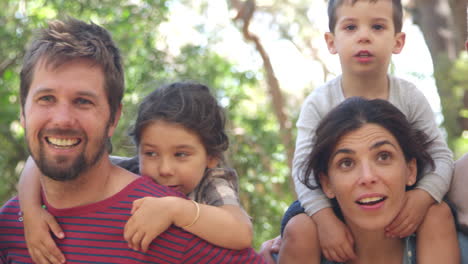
x: 52, y: 168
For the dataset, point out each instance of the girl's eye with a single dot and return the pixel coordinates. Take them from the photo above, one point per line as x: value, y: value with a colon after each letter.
x: 150, y: 154
x: 181, y: 154
x: 345, y: 163
x: 384, y: 156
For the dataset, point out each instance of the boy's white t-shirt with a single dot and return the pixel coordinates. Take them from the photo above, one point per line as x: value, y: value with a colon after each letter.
x: 406, y: 97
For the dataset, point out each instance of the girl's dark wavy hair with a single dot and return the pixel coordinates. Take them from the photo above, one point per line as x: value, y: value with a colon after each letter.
x: 351, y: 115
x: 190, y: 105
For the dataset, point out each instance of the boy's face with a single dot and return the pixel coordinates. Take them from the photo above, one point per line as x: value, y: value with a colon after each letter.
x: 365, y: 37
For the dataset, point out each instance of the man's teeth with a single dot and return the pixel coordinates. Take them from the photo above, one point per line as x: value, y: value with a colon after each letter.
x: 63, y: 142
x: 370, y: 200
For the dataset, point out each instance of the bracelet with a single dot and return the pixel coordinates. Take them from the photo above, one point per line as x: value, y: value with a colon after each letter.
x: 196, y: 216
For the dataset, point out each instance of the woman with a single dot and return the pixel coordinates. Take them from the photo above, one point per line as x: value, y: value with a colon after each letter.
x: 365, y: 157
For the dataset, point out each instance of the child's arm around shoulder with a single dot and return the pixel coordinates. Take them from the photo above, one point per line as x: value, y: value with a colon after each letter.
x: 223, y: 224
x: 222, y: 221
x: 419, y: 113
x: 37, y: 222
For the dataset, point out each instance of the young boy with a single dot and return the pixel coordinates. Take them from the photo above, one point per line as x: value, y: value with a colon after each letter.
x: 364, y: 34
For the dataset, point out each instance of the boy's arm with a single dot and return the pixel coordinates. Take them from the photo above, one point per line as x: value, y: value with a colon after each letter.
x: 336, y: 241
x: 436, y: 182
x: 312, y: 200
x: 37, y: 222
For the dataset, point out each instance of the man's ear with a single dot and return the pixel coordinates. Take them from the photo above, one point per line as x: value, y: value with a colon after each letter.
x: 330, y: 40
x: 112, y: 127
x: 326, y: 186
x: 399, y: 42
x: 412, y: 172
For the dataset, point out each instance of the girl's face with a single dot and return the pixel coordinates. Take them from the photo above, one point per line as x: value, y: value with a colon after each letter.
x: 173, y: 156
x: 368, y: 174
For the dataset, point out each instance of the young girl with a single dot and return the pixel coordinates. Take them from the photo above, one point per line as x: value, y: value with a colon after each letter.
x: 179, y: 133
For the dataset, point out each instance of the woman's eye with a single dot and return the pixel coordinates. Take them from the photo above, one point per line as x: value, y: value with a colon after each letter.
x: 345, y: 163
x: 384, y: 156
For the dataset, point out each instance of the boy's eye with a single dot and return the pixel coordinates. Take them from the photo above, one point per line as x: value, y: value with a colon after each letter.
x: 378, y: 27
x: 350, y: 27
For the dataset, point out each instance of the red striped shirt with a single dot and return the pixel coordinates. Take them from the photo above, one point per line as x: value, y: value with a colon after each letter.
x: 94, y: 234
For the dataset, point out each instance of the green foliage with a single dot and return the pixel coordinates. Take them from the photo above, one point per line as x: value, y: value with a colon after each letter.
x: 459, y: 88
x: 255, y: 151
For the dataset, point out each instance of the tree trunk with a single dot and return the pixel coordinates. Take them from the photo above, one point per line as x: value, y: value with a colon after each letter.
x: 245, y: 11
x: 443, y: 24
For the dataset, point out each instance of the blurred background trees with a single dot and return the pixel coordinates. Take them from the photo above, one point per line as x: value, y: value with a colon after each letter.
x: 241, y: 49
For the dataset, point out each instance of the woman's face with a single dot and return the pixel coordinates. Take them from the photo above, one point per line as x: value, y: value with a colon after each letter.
x: 367, y: 174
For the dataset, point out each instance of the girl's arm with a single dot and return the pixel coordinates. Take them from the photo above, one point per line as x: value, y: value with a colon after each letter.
x: 225, y: 226
x: 37, y: 222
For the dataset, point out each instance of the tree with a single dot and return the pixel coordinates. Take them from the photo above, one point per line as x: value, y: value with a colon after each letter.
x: 444, y: 26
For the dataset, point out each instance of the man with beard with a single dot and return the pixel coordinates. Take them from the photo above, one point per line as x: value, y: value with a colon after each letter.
x: 71, y: 89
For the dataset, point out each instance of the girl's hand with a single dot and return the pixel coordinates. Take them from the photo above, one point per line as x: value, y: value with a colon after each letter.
x: 41, y: 246
x: 150, y: 217
x: 336, y: 241
x: 411, y: 215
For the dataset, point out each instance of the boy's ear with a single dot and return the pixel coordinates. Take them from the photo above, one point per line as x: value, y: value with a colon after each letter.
x: 330, y: 40
x: 399, y: 42
x: 412, y: 172
x: 326, y: 186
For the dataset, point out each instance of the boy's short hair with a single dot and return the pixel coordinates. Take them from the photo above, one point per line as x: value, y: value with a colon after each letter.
x: 63, y: 41
x: 334, y: 4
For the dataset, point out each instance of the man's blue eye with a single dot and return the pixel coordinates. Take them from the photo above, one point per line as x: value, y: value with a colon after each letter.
x: 47, y: 98
x: 83, y: 101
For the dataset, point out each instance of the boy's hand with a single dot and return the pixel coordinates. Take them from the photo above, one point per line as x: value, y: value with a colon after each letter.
x: 411, y: 215
x: 336, y: 241
x: 150, y: 217
x: 41, y: 246
x: 270, y: 247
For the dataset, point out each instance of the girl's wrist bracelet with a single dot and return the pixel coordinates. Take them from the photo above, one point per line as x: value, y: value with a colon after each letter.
x: 196, y: 216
